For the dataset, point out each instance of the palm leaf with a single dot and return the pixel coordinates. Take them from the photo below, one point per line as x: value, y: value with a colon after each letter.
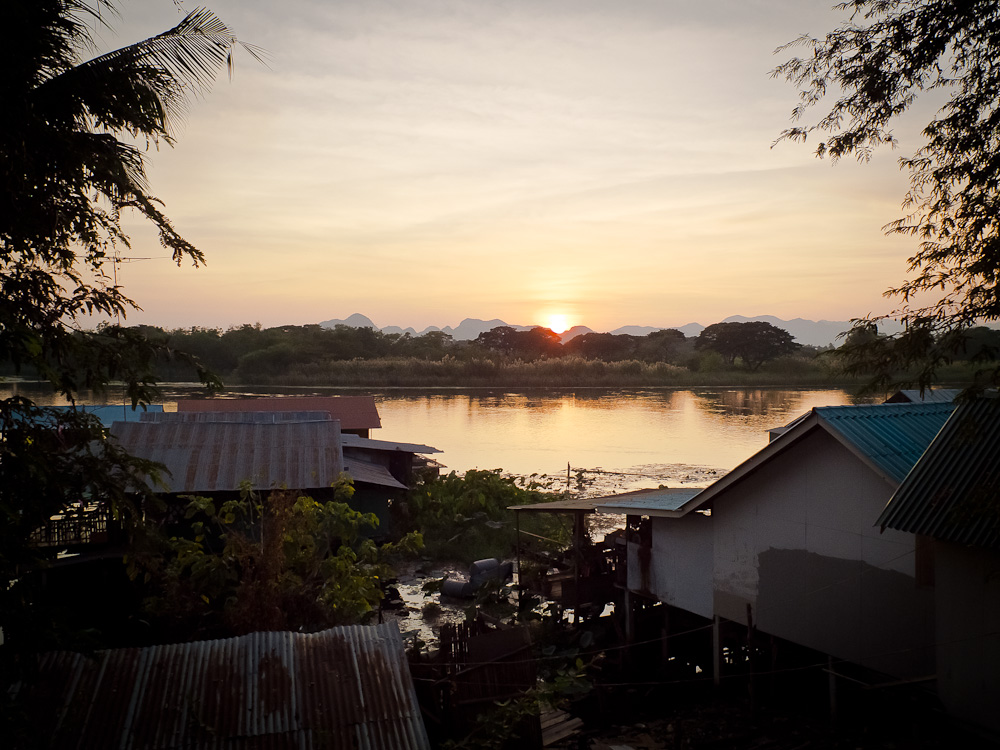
x: 139, y: 87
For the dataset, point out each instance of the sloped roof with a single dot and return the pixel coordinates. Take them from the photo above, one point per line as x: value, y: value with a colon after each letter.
x: 953, y: 492
x: 889, y: 438
x: 347, y: 687
x: 621, y: 504
x: 927, y: 396
x: 238, y: 416
x: 355, y: 441
x: 664, y: 501
x: 110, y: 413
x: 354, y: 412
x: 369, y: 473
x: 218, y: 456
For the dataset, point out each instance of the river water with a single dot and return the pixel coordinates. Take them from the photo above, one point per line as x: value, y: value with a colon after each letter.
x: 613, y: 440
x: 621, y: 439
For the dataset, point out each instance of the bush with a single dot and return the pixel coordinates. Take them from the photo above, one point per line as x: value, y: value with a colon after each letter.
x: 466, y: 518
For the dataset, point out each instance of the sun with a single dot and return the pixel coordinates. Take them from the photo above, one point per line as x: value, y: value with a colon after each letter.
x: 558, y: 323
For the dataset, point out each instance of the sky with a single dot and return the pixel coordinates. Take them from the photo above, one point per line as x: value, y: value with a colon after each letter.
x: 563, y: 162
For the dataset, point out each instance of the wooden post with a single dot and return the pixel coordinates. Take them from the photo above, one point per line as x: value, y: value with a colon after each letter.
x: 629, y: 617
x: 750, y: 660
x: 716, y: 652
x: 665, y: 643
x: 832, y: 682
x: 517, y: 554
x: 577, y: 545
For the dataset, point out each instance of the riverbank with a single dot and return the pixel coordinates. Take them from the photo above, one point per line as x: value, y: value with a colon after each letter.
x: 562, y: 372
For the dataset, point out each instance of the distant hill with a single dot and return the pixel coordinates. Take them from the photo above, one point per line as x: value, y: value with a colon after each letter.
x: 809, y: 332
x: 470, y: 328
x: 573, y: 332
x: 812, y: 332
x: 354, y: 321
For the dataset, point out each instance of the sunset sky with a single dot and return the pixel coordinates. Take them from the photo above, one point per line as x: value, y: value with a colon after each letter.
x: 421, y: 162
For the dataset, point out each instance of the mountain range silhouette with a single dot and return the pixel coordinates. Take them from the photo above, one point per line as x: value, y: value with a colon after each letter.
x: 808, y: 332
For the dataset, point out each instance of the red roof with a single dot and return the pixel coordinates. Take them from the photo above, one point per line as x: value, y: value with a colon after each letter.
x: 354, y: 412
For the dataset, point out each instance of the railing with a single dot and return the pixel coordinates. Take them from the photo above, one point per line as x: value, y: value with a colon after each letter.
x: 79, y: 528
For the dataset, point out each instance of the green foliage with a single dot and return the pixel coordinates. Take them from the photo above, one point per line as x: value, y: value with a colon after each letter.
x: 754, y: 342
x: 317, y: 356
x: 960, y: 356
x: 465, y: 518
x: 659, y: 346
x: 69, y: 170
x: 284, y: 563
x: 879, y: 61
x: 538, y: 342
x: 53, y: 462
x: 562, y: 679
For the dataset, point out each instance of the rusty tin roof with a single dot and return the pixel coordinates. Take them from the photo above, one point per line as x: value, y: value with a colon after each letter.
x: 218, y: 456
x: 347, y: 687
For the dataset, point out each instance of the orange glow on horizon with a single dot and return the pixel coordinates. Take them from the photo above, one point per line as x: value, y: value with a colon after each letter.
x: 558, y: 323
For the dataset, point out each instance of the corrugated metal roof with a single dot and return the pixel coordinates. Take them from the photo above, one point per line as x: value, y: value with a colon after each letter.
x: 347, y: 687
x: 110, y: 413
x: 927, y: 396
x: 890, y: 436
x: 607, y: 504
x: 659, y: 502
x: 953, y: 492
x: 587, y: 505
x: 356, y: 441
x: 238, y: 416
x: 354, y: 412
x: 218, y: 456
x: 368, y: 473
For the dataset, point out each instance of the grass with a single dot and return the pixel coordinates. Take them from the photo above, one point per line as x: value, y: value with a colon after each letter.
x: 563, y: 372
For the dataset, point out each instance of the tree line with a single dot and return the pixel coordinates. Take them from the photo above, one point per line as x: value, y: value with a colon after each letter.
x: 251, y: 353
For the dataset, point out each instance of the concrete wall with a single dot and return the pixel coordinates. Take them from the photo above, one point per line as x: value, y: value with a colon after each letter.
x: 678, y: 569
x: 967, y: 587
x: 795, y: 540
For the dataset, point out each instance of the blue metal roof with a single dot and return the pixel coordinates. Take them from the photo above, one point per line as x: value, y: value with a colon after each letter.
x: 662, y: 501
x: 953, y: 492
x: 110, y: 413
x: 892, y: 437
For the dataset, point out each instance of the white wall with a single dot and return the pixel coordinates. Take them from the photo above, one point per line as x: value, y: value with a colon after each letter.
x: 679, y: 569
x: 795, y: 540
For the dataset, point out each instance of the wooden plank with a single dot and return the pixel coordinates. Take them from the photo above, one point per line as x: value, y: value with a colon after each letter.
x: 567, y: 726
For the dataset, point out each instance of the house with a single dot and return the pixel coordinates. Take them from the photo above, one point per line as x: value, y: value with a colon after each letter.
x: 926, y: 395
x: 952, y: 498
x: 340, y: 688
x: 216, y: 453
x: 358, y: 415
x: 405, y: 461
x: 787, y: 541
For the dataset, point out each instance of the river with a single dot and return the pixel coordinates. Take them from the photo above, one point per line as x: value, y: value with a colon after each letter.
x: 613, y: 440
x: 622, y: 439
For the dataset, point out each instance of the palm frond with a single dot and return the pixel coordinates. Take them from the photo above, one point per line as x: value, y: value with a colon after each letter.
x: 138, y: 88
